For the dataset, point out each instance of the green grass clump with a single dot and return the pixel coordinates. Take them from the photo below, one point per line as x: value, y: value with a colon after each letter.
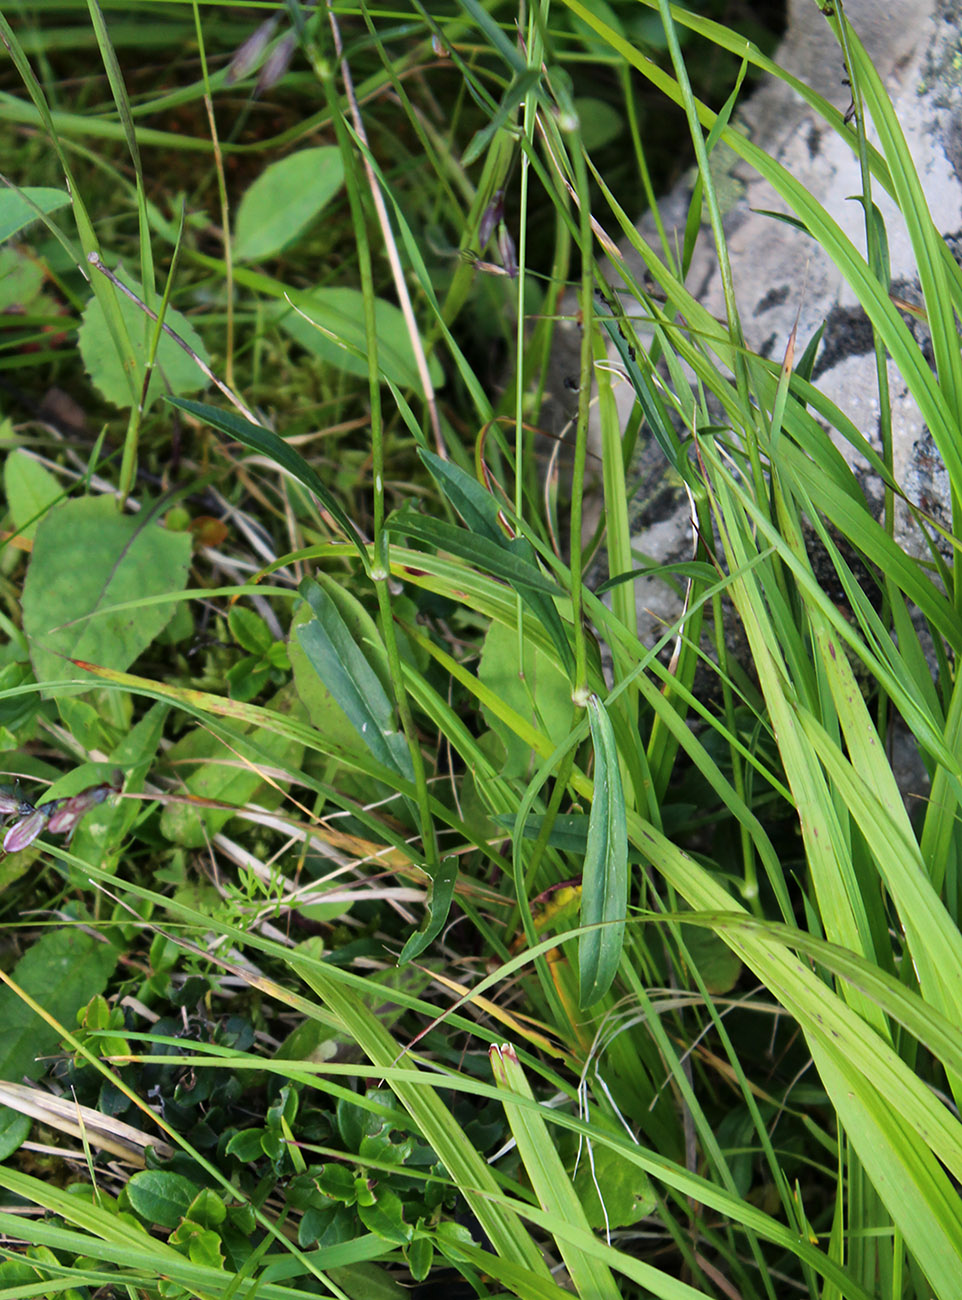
x: 379, y: 911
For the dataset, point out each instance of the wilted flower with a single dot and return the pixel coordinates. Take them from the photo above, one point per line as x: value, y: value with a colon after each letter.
x: 249, y: 55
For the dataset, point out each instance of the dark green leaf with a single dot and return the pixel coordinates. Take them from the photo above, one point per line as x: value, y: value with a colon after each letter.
x: 480, y: 512
x: 337, y: 1181
x: 385, y: 1218
x: 160, y: 1196
x: 604, y: 896
x: 473, y: 503
x: 14, y: 1129
x: 269, y: 444
x: 420, y: 1256
x: 207, y: 1209
x: 493, y: 557
x: 494, y: 35
x: 246, y: 1145
x: 436, y: 910
x: 340, y: 663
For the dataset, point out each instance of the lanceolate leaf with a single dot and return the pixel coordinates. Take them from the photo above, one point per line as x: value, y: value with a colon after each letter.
x: 495, y: 558
x: 436, y: 912
x: 340, y: 663
x: 267, y: 443
x: 480, y: 512
x: 604, y: 897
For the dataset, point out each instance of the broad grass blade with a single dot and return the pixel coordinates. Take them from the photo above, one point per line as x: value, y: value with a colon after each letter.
x: 604, y: 897
x: 552, y: 1186
x: 342, y: 667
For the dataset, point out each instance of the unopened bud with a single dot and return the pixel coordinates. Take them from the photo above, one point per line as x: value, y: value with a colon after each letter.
x: 26, y: 831
x: 249, y: 55
x: 509, y: 257
x: 493, y: 213
x: 276, y: 63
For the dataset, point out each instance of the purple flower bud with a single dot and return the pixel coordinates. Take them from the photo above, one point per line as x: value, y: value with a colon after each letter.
x: 9, y: 803
x: 248, y: 56
x: 509, y: 258
x: 64, y: 818
x: 66, y: 813
x: 276, y: 63
x: 26, y: 831
x: 493, y: 213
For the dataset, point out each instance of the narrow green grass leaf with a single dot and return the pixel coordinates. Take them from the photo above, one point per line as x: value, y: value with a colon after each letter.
x: 512, y: 97
x: 928, y: 244
x: 495, y: 558
x: 934, y: 939
x: 122, y: 101
x: 495, y: 35
x: 269, y: 444
x: 921, y: 1200
x: 592, y: 1279
x: 466, y: 1167
x: 604, y: 897
x: 873, y: 296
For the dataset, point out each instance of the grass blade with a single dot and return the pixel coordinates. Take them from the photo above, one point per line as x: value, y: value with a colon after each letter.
x: 552, y: 1186
x: 604, y: 898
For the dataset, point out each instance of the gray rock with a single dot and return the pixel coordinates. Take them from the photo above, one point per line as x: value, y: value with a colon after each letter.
x: 780, y: 273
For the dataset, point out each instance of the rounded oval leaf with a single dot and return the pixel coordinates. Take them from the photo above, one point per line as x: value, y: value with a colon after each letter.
x: 160, y: 1196
x: 332, y: 327
x: 284, y: 200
